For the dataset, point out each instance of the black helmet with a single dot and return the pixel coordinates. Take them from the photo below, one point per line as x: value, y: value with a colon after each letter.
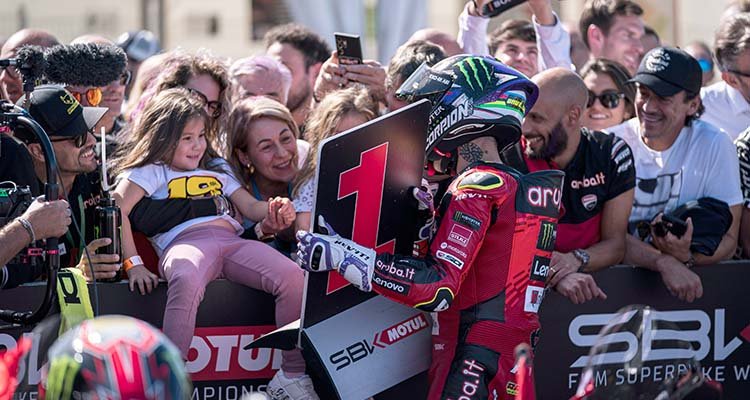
x: 471, y: 96
x: 623, y: 362
x: 117, y: 357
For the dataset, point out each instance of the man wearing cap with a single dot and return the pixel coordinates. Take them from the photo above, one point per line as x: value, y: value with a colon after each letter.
x: 69, y: 126
x: 678, y: 158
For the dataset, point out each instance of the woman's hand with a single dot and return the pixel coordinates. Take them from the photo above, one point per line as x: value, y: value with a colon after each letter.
x: 280, y: 216
x: 143, y: 278
x: 330, y: 77
x: 371, y: 74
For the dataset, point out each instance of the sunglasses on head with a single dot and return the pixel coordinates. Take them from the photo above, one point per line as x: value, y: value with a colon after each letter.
x: 93, y: 96
x: 608, y: 99
x: 79, y: 140
x: 214, y: 107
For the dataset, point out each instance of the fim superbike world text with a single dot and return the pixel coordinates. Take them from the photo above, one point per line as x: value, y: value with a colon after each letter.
x: 658, y: 361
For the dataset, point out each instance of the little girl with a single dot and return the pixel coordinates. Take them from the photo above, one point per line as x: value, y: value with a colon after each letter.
x: 166, y: 157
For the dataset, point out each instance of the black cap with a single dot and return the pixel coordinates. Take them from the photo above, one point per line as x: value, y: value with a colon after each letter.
x: 668, y: 70
x: 59, y: 113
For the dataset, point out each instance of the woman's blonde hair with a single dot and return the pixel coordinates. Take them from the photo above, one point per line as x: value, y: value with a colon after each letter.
x: 323, y: 120
x: 240, y: 122
x: 157, y: 132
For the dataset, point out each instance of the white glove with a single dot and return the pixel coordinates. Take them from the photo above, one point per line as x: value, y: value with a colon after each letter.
x: 318, y: 252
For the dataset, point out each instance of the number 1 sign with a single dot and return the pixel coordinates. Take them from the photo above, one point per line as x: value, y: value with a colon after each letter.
x: 364, y: 177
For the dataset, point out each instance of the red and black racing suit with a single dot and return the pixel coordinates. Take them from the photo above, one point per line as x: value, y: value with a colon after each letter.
x: 488, y: 261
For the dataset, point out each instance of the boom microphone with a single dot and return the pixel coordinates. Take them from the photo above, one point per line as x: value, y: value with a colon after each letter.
x: 85, y: 64
x: 30, y: 60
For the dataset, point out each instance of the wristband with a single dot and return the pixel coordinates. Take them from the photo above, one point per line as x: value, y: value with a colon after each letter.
x: 29, y: 229
x: 132, y: 262
x: 259, y: 233
x: 690, y: 263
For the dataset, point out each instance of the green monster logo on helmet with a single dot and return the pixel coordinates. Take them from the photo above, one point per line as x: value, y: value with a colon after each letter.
x: 476, y: 73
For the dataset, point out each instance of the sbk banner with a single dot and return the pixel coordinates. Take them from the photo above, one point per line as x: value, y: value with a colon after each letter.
x: 365, y: 176
x: 717, y: 325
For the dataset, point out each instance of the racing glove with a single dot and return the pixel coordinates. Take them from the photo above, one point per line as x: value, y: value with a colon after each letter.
x: 324, y: 252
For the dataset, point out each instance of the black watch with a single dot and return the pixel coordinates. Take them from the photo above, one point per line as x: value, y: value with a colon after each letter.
x: 583, y: 257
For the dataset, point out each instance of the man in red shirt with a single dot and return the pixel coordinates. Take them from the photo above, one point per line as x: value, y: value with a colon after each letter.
x: 599, y: 182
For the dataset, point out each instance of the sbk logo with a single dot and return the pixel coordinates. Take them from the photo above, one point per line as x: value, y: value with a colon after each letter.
x: 387, y: 337
x: 698, y: 321
x: 218, y: 353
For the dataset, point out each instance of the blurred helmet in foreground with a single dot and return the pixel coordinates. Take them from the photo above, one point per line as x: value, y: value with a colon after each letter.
x: 114, y: 357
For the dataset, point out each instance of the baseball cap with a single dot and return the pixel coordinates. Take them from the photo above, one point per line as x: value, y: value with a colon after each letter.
x: 59, y: 113
x: 668, y: 70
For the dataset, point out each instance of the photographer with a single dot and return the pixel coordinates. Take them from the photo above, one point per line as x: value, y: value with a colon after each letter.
x: 40, y: 221
x: 69, y: 126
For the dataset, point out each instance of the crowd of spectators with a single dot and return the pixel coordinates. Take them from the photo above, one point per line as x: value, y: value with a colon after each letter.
x: 643, y: 130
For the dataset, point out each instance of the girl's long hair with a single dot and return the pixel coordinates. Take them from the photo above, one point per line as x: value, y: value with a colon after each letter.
x: 322, y: 124
x: 240, y: 122
x: 158, y: 130
x: 179, y: 68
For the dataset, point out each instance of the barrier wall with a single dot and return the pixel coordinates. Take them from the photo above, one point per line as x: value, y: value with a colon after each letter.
x: 231, y: 316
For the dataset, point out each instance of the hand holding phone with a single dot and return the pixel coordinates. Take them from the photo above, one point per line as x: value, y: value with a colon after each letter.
x: 348, y: 47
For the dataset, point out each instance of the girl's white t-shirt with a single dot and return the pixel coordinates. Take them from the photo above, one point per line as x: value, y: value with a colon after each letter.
x: 159, y: 181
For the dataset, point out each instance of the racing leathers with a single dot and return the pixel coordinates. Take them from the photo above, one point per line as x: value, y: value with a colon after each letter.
x: 485, y: 273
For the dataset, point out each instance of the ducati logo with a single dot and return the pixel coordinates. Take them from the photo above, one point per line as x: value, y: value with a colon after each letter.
x: 589, y: 201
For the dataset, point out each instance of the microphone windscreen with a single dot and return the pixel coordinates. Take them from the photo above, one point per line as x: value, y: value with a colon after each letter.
x: 85, y: 64
x: 31, y: 59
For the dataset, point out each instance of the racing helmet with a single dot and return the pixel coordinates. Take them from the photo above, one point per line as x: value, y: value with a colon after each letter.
x: 471, y: 97
x: 114, y: 357
x: 640, y: 354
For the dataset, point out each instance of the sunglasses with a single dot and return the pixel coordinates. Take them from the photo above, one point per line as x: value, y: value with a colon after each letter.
x: 79, y: 140
x: 93, y: 96
x: 608, y: 99
x: 214, y: 107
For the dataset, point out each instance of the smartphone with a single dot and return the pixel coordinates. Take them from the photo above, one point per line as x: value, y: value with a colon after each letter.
x: 348, y: 47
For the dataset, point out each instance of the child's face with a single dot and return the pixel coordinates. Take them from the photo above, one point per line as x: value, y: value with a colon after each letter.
x: 191, y: 146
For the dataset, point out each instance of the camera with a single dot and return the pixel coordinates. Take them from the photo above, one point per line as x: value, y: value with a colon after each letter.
x: 671, y: 224
x: 14, y: 200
